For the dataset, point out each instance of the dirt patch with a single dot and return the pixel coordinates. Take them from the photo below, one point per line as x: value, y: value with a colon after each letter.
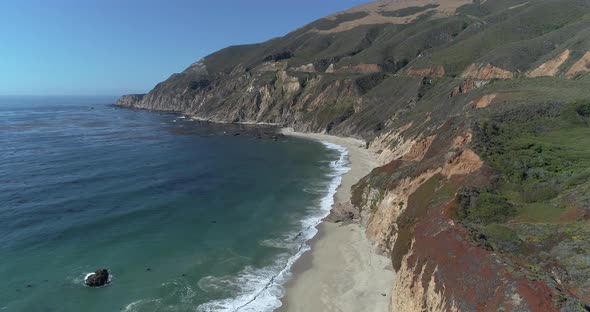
x: 462, y: 140
x: 580, y: 67
x: 486, y: 72
x: 462, y: 163
x: 419, y: 149
x: 550, y: 67
x: 484, y: 101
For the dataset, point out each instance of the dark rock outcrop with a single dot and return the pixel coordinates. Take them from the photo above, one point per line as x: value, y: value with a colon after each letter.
x: 130, y: 99
x: 98, y: 278
x: 342, y: 212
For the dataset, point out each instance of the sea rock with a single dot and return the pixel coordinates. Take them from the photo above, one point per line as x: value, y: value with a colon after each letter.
x: 98, y: 278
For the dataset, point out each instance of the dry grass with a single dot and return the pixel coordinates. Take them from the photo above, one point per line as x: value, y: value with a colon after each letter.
x: 375, y: 9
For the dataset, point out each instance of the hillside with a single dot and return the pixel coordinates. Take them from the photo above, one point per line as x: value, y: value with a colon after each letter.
x: 481, y: 115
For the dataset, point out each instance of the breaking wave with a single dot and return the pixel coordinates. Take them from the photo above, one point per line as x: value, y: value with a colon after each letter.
x: 260, y: 289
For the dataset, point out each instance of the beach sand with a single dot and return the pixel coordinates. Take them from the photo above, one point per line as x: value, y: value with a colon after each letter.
x: 342, y: 272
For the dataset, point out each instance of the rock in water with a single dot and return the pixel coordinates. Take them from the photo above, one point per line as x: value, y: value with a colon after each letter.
x: 98, y: 278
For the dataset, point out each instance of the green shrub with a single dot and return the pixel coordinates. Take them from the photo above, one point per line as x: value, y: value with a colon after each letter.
x: 483, y: 208
x: 501, y: 237
x: 579, y: 177
x: 583, y: 108
x: 279, y: 56
x: 536, y: 192
x: 541, y: 153
x: 491, y: 208
x: 370, y: 81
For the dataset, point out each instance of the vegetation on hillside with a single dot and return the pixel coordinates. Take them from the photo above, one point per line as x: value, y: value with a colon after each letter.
x: 530, y: 202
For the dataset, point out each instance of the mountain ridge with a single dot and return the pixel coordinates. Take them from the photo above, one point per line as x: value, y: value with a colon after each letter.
x: 478, y: 112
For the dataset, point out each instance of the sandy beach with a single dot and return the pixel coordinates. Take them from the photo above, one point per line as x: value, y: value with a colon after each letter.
x: 342, y: 272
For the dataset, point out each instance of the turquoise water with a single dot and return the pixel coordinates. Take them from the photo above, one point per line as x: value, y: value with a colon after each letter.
x: 186, y: 215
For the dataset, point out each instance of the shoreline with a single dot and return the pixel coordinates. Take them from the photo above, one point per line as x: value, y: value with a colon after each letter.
x: 342, y: 271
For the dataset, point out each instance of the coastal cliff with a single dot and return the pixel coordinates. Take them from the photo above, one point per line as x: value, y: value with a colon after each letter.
x: 478, y: 111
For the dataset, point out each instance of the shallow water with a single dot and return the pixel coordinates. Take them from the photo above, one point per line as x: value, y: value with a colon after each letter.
x: 187, y: 216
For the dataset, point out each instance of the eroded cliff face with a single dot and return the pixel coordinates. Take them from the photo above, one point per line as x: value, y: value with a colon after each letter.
x: 439, y: 265
x: 309, y: 102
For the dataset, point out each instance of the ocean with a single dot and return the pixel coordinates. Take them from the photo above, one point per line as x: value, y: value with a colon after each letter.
x: 186, y: 215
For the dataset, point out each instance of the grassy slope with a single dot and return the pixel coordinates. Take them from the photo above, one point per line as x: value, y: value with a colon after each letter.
x: 513, y: 39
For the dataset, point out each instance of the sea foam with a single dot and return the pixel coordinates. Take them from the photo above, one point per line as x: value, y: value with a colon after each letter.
x: 260, y: 289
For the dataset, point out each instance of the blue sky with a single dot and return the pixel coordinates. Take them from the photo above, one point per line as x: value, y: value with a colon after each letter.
x: 112, y: 47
